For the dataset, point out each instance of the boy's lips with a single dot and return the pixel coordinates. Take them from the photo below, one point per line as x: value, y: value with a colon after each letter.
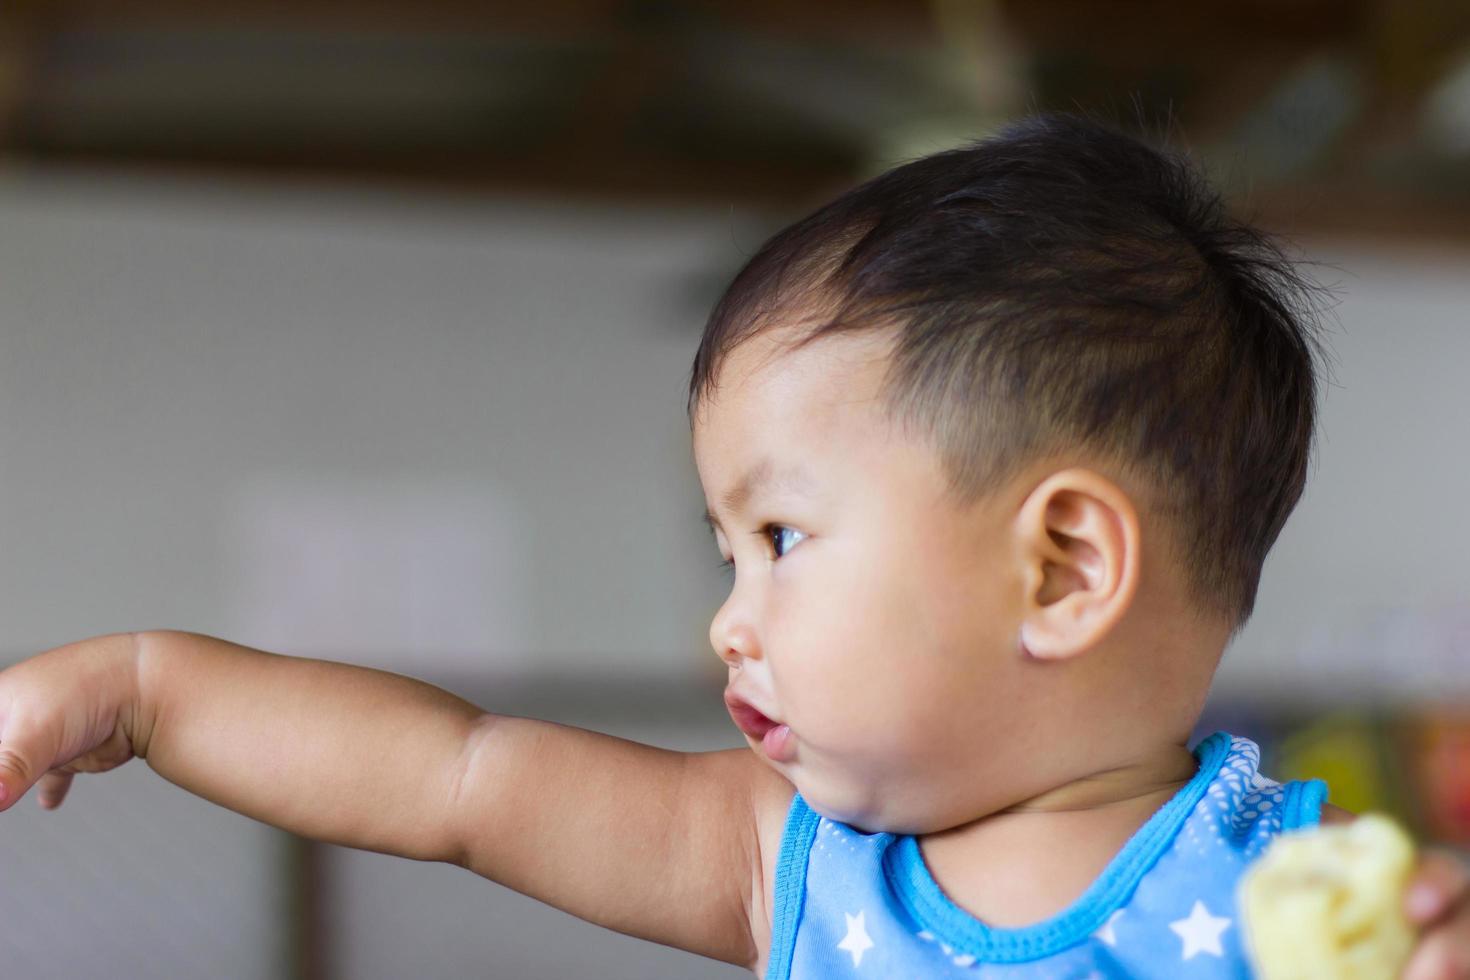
x: 747, y: 717
x: 774, y: 737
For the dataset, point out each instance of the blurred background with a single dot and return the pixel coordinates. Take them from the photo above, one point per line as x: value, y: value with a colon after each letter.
x: 362, y: 330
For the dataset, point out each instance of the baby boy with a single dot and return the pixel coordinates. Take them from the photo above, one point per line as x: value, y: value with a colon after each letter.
x: 996, y: 445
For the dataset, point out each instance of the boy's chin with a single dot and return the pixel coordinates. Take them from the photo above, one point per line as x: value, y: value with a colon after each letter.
x: 854, y: 805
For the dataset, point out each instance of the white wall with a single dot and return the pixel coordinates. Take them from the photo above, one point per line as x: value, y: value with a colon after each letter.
x: 1366, y: 596
x: 411, y: 433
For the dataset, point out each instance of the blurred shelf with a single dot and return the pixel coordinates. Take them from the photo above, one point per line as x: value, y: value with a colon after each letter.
x: 719, y: 102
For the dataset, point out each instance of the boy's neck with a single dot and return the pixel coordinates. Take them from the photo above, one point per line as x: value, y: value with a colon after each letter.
x: 1168, y: 767
x: 1030, y: 861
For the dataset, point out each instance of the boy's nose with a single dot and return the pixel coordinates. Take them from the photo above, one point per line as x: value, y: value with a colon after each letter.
x: 734, y: 642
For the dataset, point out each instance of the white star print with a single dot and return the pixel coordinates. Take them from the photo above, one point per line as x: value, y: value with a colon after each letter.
x: 856, y: 941
x: 1105, y: 934
x: 1201, y: 931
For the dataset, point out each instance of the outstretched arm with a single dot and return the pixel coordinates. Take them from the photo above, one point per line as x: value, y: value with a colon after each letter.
x: 662, y: 845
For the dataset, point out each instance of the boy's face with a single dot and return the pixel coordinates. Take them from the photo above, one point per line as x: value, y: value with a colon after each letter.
x: 868, y: 613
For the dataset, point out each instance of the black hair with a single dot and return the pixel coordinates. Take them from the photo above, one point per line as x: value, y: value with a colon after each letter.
x: 1064, y: 285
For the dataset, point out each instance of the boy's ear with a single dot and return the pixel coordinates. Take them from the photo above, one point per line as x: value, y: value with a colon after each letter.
x: 1078, y: 540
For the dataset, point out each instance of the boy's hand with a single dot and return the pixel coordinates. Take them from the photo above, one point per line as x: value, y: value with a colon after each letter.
x: 69, y: 710
x: 1438, y: 902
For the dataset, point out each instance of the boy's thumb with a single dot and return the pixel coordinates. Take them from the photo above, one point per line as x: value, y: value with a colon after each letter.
x: 17, y: 774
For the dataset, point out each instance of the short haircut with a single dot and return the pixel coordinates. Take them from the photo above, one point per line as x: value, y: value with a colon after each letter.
x: 1063, y: 286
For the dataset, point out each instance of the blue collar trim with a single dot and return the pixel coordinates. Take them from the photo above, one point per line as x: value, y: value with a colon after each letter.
x: 920, y: 895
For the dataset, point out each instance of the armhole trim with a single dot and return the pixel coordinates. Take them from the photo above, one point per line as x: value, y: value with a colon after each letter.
x: 1303, y: 806
x: 790, y: 892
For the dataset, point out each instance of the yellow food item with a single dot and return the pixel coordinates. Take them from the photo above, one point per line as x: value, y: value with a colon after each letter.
x: 1328, y: 903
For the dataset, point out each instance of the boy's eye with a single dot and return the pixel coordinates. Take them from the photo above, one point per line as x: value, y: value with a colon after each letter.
x: 783, y: 538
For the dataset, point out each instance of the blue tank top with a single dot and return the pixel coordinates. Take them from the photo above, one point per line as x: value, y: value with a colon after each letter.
x: 850, y: 904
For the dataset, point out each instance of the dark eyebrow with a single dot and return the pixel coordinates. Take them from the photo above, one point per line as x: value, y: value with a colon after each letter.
x: 759, y: 477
